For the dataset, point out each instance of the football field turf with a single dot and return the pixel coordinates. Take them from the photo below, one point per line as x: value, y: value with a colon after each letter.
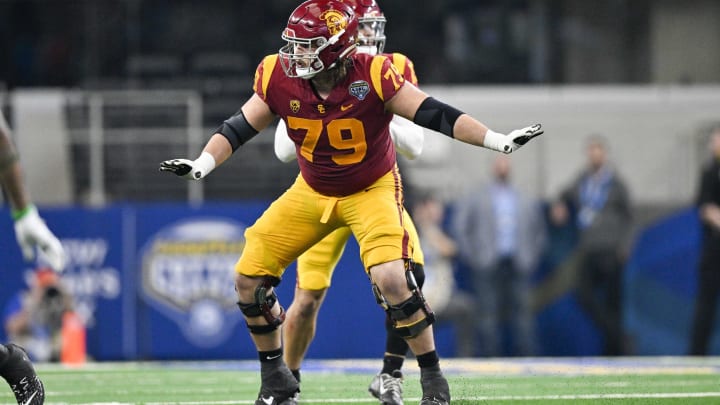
x: 638, y: 380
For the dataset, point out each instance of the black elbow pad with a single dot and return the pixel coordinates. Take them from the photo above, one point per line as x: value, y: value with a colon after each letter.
x: 438, y: 116
x: 236, y: 130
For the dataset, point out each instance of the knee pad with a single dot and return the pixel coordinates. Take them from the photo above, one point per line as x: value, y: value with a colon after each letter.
x: 262, y: 306
x: 407, y: 308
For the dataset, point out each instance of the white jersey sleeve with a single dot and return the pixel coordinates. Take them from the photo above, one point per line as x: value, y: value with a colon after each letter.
x: 406, y: 135
x: 284, y: 146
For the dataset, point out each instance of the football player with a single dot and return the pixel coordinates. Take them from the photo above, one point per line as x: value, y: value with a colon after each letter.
x: 316, y: 266
x: 337, y: 105
x: 31, y: 233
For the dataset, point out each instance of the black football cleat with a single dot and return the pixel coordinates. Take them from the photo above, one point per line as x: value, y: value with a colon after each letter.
x: 20, y: 375
x: 435, y: 390
x: 279, y: 388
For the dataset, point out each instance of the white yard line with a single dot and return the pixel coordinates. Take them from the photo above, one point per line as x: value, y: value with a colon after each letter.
x: 475, y: 398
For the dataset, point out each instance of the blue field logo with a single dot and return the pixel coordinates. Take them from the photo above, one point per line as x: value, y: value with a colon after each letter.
x: 187, y: 274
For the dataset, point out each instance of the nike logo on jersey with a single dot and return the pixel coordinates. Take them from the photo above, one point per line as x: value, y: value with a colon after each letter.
x: 268, y: 400
x: 346, y: 107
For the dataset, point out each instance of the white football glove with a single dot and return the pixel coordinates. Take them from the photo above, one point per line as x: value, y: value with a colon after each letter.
x: 190, y: 169
x: 31, y: 231
x: 512, y: 141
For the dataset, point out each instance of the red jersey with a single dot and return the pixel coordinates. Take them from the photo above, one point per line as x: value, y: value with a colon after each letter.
x: 404, y: 66
x: 343, y: 142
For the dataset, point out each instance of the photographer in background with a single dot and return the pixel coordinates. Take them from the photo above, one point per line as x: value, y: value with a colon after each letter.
x: 33, y: 318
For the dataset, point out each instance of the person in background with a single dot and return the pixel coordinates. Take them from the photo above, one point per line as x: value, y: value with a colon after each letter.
x: 451, y: 305
x: 601, y: 202
x: 501, y: 236
x: 708, y: 203
x: 31, y: 233
x: 33, y: 318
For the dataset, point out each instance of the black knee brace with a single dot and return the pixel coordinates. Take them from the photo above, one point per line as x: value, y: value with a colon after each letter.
x: 418, y: 272
x: 407, y: 308
x: 262, y: 306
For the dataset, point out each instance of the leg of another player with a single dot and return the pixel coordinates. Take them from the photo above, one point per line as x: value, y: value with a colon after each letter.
x: 395, y: 349
x: 299, y: 327
x: 315, y: 268
x: 387, y: 384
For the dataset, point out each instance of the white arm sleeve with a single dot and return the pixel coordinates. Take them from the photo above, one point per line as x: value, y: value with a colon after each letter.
x: 284, y: 146
x: 407, y: 137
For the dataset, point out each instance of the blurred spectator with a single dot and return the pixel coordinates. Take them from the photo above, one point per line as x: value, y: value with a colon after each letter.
x: 33, y: 318
x: 501, y: 235
x: 708, y: 203
x: 601, y: 203
x: 450, y: 304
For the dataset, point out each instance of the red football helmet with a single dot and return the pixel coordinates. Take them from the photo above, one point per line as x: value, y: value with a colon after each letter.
x: 319, y: 34
x: 371, y: 29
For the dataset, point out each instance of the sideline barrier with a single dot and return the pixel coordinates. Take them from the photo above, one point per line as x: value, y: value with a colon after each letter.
x: 154, y: 281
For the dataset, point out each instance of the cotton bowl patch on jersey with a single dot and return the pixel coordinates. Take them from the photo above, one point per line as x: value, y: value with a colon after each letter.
x: 359, y: 89
x: 187, y: 275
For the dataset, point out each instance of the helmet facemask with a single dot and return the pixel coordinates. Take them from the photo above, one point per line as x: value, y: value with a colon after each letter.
x: 300, y: 57
x: 371, y: 34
